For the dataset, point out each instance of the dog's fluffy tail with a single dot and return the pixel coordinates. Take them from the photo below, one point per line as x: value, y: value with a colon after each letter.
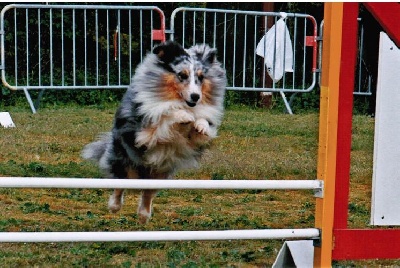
x: 95, y: 150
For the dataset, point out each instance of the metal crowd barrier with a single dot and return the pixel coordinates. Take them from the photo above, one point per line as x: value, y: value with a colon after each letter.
x: 75, y: 46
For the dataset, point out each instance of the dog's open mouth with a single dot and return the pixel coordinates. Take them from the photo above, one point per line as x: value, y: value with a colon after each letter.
x: 191, y: 104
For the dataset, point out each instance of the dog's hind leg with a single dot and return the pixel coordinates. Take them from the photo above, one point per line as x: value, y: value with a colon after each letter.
x: 145, y: 205
x: 117, y: 198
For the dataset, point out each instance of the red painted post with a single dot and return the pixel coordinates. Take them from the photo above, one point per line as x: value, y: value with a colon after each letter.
x: 357, y: 244
x: 387, y: 14
x: 346, y: 87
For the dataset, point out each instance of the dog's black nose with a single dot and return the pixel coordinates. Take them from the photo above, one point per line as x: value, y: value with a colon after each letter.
x: 194, y: 97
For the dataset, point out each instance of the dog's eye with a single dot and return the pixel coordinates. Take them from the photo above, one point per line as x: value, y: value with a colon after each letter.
x: 200, y: 77
x: 183, y: 76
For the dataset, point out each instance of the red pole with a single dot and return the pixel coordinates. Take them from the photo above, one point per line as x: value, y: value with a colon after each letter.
x: 346, y: 87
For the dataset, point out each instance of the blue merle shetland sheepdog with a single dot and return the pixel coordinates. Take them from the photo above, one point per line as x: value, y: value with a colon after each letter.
x: 167, y: 118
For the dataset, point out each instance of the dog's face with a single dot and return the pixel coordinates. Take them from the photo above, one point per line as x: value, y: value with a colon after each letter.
x: 186, y: 76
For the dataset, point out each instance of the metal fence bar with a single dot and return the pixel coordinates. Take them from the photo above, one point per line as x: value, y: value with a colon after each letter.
x: 274, y: 47
x: 234, y: 54
x: 97, y: 46
x: 285, y: 51
x: 294, y: 53
x: 62, y: 49
x: 224, y: 60
x: 304, y: 58
x: 244, y: 50
x: 130, y: 42
x: 120, y: 40
x: 15, y: 50
x: 73, y: 47
x: 38, y: 182
x: 263, y: 66
x: 254, y: 54
x: 215, y: 28
x: 27, y: 46
x: 307, y: 233
x: 40, y: 54
x: 194, y: 28
x: 204, y: 27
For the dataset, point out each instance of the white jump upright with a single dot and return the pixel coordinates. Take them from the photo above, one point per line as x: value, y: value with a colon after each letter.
x: 386, y: 179
x: 6, y: 120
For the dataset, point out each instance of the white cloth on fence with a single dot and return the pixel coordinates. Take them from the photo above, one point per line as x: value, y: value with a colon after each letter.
x: 277, y: 39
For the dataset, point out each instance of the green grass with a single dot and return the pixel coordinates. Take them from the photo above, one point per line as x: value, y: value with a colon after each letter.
x: 252, y: 144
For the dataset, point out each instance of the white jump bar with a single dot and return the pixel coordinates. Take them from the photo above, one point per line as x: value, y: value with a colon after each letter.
x: 310, y: 233
x: 36, y: 182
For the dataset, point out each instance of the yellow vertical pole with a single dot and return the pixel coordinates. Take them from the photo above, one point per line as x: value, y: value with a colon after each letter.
x: 328, y: 124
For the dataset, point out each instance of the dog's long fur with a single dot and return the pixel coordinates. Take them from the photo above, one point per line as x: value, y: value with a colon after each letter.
x: 168, y: 116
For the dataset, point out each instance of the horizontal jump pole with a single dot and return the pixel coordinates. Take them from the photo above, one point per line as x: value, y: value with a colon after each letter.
x: 310, y: 233
x: 39, y: 182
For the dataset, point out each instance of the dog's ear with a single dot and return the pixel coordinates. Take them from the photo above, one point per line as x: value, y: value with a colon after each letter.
x: 204, y: 54
x: 168, y: 51
x: 210, y: 56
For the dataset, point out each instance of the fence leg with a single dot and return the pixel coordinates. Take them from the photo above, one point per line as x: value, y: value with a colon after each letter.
x: 291, y: 99
x: 37, y: 101
x: 29, y: 99
x: 287, y: 105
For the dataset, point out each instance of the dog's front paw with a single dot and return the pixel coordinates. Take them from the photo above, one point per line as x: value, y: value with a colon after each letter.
x: 183, y: 117
x: 202, y: 126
